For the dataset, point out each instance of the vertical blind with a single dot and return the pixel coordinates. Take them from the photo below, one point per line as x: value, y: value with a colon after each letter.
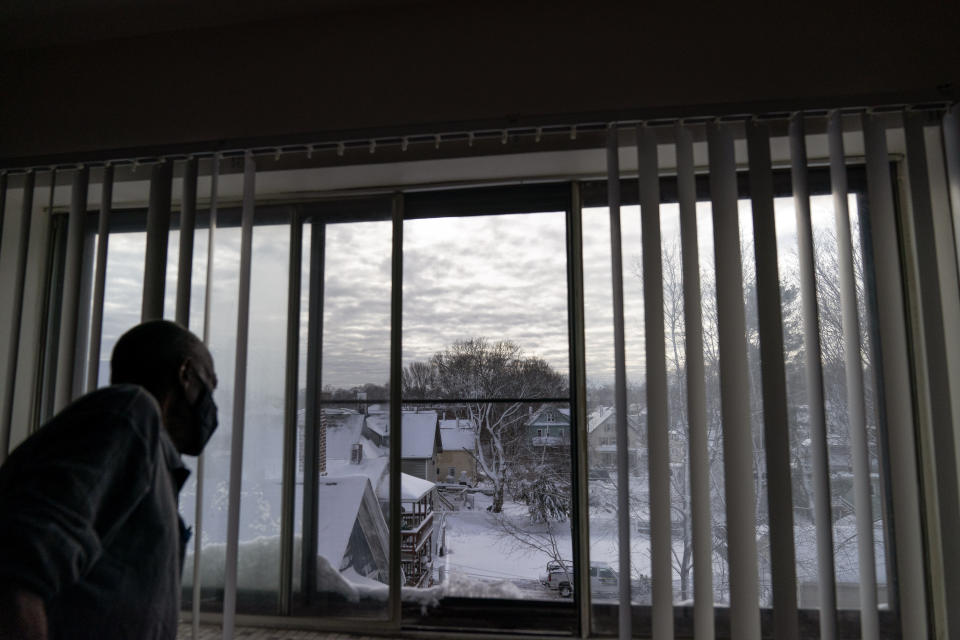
x: 897, y: 236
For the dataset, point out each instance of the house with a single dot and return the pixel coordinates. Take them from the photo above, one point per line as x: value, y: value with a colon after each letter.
x: 352, y: 535
x: 420, y: 444
x: 602, y: 439
x: 354, y: 459
x: 421, y: 439
x: 356, y: 487
x: 344, y: 430
x: 457, y: 461
x: 549, y: 427
x: 376, y: 426
x: 417, y: 498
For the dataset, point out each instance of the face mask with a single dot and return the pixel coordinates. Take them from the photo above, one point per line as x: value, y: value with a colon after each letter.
x: 204, y: 412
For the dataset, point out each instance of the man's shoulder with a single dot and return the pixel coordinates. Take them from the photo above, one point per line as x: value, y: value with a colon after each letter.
x: 120, y: 404
x: 118, y: 398
x: 118, y: 417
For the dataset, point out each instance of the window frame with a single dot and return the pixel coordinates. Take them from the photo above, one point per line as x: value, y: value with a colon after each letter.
x: 426, y: 204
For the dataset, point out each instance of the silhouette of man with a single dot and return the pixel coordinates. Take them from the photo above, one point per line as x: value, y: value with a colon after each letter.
x: 91, y: 542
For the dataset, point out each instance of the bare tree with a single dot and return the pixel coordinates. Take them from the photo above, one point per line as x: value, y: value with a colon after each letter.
x: 541, y: 538
x: 419, y: 379
x: 491, y: 381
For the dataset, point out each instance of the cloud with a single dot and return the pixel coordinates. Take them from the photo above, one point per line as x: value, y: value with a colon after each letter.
x: 501, y: 277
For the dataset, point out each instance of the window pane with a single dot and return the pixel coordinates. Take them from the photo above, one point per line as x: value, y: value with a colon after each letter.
x: 258, y: 558
x: 353, y: 485
x: 223, y: 342
x: 123, y: 293
x: 485, y: 329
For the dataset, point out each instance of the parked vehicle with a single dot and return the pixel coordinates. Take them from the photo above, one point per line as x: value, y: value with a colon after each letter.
x: 604, y: 584
x: 599, y: 473
x: 558, y: 577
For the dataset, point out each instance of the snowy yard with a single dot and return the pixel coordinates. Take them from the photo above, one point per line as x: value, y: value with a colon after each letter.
x: 489, y: 555
x: 479, y: 548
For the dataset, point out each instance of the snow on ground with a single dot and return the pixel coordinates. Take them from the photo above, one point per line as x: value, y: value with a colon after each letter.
x: 482, y: 560
x: 479, y: 548
x: 460, y: 585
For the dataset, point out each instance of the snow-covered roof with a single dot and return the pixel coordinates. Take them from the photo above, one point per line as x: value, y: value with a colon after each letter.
x: 344, y: 429
x: 598, y: 417
x: 372, y: 467
x: 379, y: 423
x: 538, y: 415
x: 413, y: 488
x: 419, y: 431
x: 339, y: 500
x: 457, y: 439
x: 419, y: 434
x: 457, y: 423
x: 604, y: 414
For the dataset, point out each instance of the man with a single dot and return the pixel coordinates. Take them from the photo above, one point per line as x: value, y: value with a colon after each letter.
x: 91, y: 543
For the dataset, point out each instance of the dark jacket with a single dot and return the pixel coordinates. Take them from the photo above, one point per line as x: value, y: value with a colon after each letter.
x: 89, y: 521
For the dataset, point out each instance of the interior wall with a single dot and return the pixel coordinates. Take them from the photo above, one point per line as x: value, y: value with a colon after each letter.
x: 424, y: 66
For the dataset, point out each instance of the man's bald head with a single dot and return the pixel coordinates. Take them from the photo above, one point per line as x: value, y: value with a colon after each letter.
x: 151, y: 354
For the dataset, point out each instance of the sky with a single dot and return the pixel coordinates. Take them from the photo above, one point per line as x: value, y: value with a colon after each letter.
x: 498, y: 277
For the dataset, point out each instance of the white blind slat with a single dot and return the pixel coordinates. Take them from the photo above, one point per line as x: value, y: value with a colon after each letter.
x: 776, y: 432
x: 658, y: 424
x: 208, y: 289
x: 938, y: 389
x: 820, y: 463
x: 100, y: 278
x: 188, y: 223
x: 702, y: 534
x: 893, y: 369
x: 620, y: 394
x: 70, y: 309
x: 856, y: 409
x: 735, y: 402
x: 19, y: 280
x: 239, y: 399
x: 158, y: 233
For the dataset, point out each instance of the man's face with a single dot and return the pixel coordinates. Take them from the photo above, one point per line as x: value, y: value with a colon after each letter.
x: 191, y: 415
x: 203, y: 374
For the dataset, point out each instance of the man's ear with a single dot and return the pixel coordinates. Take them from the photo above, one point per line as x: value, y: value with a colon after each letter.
x: 182, y: 373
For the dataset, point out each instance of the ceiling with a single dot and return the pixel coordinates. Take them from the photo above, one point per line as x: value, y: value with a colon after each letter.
x: 27, y: 24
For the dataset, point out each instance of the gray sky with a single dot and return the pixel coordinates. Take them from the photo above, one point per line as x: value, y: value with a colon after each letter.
x: 499, y: 277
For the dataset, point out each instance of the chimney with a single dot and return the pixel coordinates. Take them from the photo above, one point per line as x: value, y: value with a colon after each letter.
x: 362, y: 402
x: 322, y: 445
x: 356, y: 453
